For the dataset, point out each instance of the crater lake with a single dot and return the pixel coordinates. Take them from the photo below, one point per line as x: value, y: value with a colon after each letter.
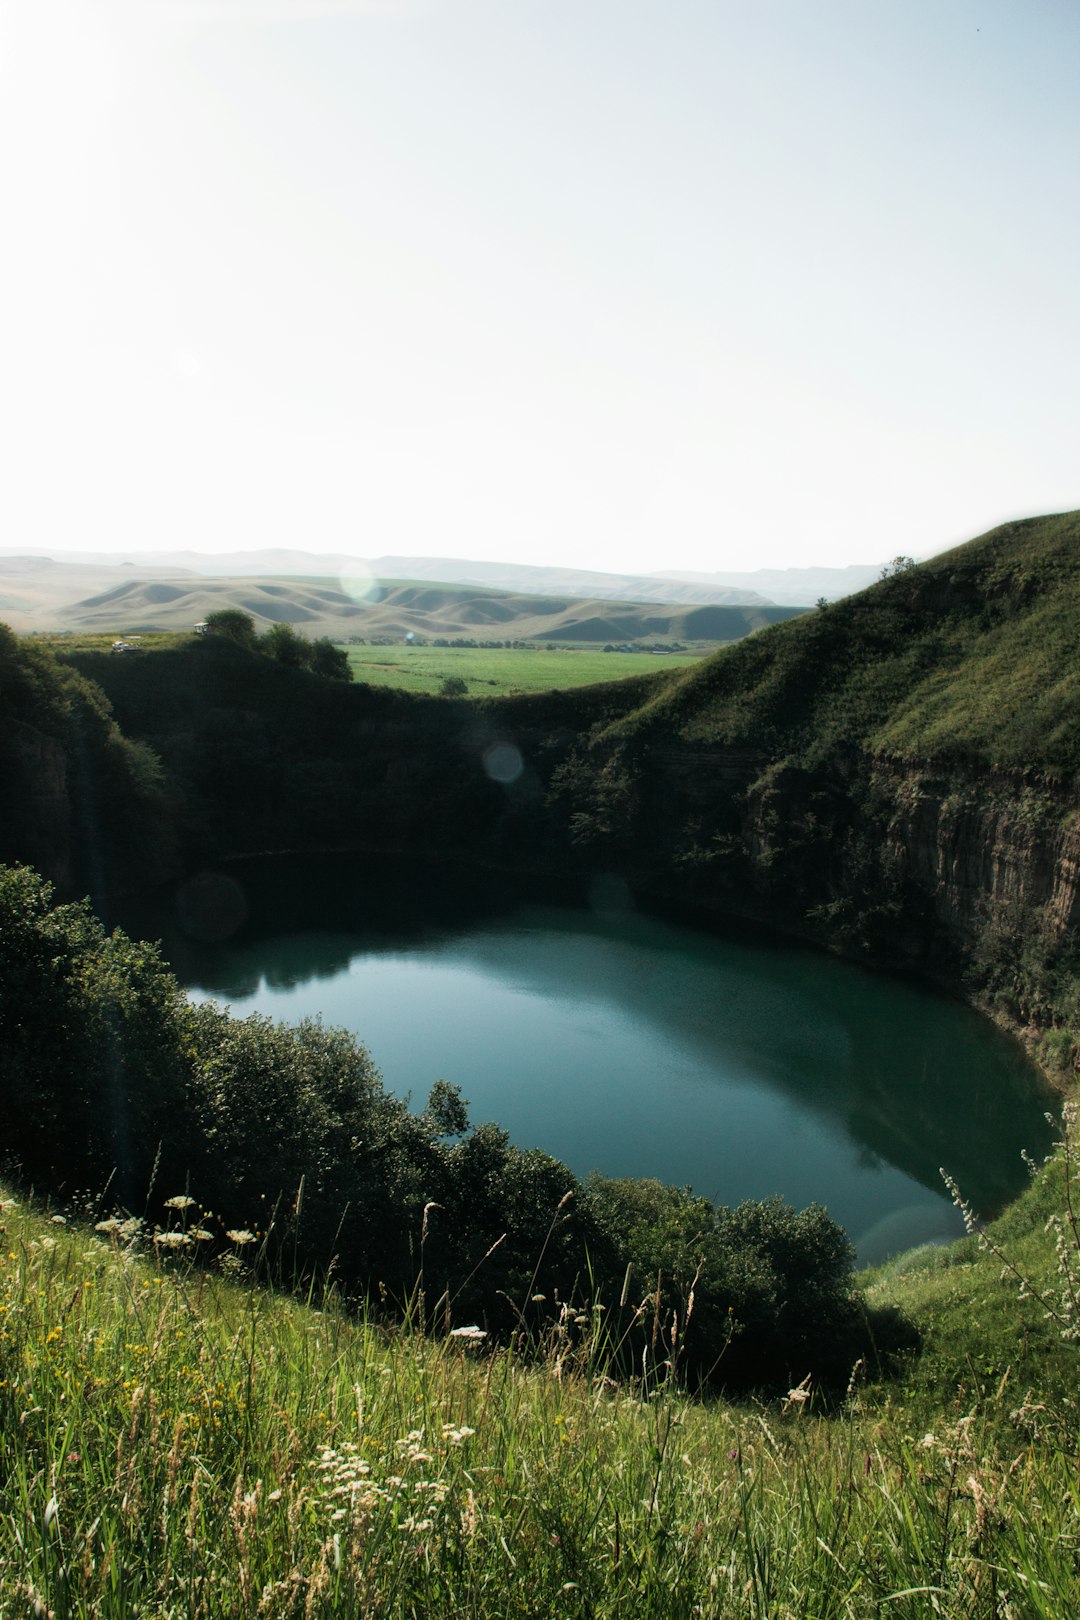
x: 620, y: 1041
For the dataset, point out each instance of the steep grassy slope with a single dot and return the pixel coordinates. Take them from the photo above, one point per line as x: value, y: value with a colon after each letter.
x: 897, y: 773
x: 182, y: 1442
x: 973, y: 658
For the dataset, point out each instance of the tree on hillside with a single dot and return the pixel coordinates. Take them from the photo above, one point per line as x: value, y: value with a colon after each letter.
x: 330, y: 661
x: 282, y: 643
x: 234, y: 624
x: 898, y: 565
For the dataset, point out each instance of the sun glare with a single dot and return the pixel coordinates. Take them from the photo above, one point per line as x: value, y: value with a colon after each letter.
x: 360, y: 583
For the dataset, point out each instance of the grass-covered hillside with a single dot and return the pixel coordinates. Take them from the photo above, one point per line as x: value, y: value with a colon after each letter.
x: 972, y: 658
x: 188, y: 1441
x: 896, y: 775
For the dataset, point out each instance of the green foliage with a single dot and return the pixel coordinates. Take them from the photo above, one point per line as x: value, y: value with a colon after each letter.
x: 898, y: 565
x: 1002, y: 1306
x: 761, y: 1291
x: 286, y: 646
x: 282, y: 643
x: 454, y: 686
x: 447, y: 1109
x: 329, y: 660
x: 233, y: 625
x: 92, y: 1073
x: 37, y: 690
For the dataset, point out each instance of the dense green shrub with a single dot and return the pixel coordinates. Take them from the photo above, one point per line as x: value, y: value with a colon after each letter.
x: 753, y: 1294
x: 92, y: 1073
x: 233, y: 625
x: 328, y: 660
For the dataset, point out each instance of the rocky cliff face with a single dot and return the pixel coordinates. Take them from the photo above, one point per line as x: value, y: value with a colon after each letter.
x: 937, y: 869
x: 983, y: 851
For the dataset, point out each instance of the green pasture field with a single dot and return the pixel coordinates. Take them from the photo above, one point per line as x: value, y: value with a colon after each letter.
x: 486, y: 671
x: 65, y: 641
x: 493, y: 671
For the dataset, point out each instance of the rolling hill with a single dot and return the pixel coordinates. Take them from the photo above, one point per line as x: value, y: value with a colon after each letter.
x: 355, y: 574
x: 971, y: 658
x: 41, y: 594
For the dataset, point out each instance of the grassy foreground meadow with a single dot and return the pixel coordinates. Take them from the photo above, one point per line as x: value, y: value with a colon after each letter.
x: 184, y: 1442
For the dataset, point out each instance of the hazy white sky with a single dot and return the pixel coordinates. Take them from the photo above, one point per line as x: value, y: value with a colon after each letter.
x: 623, y: 284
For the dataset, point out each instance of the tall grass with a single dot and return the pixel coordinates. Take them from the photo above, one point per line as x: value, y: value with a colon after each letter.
x: 182, y: 1443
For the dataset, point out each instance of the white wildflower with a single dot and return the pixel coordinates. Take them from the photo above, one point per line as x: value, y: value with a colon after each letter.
x: 456, y: 1435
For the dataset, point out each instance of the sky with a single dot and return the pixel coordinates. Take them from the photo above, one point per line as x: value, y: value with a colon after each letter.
x: 615, y: 284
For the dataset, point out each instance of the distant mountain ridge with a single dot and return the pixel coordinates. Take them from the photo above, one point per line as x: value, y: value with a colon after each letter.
x: 279, y: 563
x: 539, y: 579
x: 127, y: 600
x: 793, y: 586
x: 71, y: 590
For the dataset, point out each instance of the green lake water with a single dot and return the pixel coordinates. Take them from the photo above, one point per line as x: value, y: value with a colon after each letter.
x: 624, y: 1043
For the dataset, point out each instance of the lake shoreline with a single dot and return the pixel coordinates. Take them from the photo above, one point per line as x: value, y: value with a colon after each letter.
x: 309, y: 923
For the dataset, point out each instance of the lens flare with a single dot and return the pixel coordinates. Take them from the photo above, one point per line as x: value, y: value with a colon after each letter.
x: 503, y: 762
x: 360, y: 583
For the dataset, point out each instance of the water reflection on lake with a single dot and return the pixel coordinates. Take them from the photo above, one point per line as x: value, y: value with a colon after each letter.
x: 624, y: 1043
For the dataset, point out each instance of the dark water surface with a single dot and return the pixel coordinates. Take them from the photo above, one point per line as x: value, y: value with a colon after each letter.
x: 621, y: 1042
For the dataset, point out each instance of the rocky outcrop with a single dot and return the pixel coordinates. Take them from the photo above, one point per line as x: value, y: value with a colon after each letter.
x: 984, y: 852
x: 927, y: 868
